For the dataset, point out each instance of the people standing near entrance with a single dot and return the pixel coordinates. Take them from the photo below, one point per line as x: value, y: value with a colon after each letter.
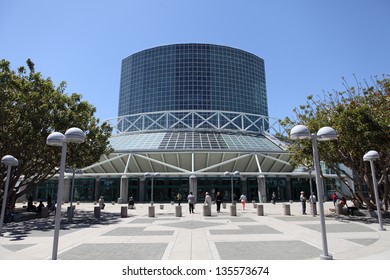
x: 273, y: 197
x: 302, y: 198
x: 191, y: 202
x: 313, y: 201
x: 101, y: 202
x: 218, y: 200
x: 179, y: 198
x: 243, y: 201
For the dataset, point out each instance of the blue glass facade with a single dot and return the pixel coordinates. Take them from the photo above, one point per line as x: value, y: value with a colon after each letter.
x: 193, y: 77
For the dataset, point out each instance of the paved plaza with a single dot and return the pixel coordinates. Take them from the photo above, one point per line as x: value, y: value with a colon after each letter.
x: 247, y: 236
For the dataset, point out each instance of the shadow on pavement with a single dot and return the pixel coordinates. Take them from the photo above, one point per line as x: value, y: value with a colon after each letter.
x: 364, y: 219
x: 82, y: 219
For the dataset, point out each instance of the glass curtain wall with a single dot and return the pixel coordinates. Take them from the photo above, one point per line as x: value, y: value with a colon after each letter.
x: 218, y: 184
x: 166, y: 189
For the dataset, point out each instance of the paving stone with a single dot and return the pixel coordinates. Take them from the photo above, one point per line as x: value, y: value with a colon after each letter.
x: 136, y: 231
x: 115, y: 251
x: 267, y: 250
x: 258, y: 229
x: 340, y: 228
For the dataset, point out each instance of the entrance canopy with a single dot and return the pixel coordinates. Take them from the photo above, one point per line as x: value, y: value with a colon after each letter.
x: 202, y: 143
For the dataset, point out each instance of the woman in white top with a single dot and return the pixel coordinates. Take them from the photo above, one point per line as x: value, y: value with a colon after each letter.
x: 207, y: 200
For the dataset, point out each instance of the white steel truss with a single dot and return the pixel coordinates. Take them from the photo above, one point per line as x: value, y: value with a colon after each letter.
x: 196, y: 120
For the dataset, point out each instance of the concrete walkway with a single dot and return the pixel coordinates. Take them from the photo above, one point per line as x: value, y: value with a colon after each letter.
x: 247, y: 236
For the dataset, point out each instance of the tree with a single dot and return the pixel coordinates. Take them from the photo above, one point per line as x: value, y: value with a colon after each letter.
x: 31, y: 107
x: 361, y: 117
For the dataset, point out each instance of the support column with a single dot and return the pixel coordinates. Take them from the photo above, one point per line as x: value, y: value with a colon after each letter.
x: 244, y: 186
x: 97, y: 188
x: 124, y: 190
x: 67, y: 187
x: 289, y: 190
x: 142, y: 189
x: 261, y: 188
x: 194, y: 186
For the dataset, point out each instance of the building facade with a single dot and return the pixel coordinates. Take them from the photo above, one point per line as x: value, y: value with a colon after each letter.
x: 191, y: 118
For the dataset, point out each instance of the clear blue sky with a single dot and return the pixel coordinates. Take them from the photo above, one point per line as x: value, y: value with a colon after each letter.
x: 307, y: 45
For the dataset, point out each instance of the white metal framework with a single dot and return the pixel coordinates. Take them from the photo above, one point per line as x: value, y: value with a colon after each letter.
x: 195, y: 120
x: 204, y: 143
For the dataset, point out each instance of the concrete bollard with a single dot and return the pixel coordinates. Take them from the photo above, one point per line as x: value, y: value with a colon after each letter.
x: 224, y: 205
x: 178, y: 211
x: 162, y: 206
x: 260, y: 210
x: 339, y: 209
x: 206, y: 210
x: 44, y: 212
x: 96, y: 212
x: 151, y: 212
x: 286, y: 209
x: 233, y: 210
x: 255, y: 205
x: 313, y: 209
x: 123, y: 211
x: 70, y: 212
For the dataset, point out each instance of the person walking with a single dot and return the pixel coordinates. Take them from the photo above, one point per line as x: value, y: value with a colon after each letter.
x: 218, y: 200
x: 191, y: 202
x: 334, y: 198
x: 302, y: 198
x: 243, y: 201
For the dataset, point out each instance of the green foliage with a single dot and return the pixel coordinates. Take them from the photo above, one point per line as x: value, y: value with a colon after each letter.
x: 361, y: 117
x: 31, y: 107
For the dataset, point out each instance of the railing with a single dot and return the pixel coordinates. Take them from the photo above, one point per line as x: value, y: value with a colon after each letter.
x: 195, y: 121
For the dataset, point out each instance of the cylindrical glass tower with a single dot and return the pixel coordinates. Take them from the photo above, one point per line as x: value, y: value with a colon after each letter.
x: 197, y: 77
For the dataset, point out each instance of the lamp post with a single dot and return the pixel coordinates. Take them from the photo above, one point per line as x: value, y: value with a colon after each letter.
x: 152, y: 175
x: 371, y: 156
x: 72, y: 135
x: 74, y: 171
x: 323, y: 134
x: 232, y: 174
x: 9, y: 161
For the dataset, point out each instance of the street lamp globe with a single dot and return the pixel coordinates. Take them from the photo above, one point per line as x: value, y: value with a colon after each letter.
x: 55, y: 139
x: 9, y: 160
x: 371, y: 155
x: 75, y: 135
x: 299, y: 132
x: 326, y: 133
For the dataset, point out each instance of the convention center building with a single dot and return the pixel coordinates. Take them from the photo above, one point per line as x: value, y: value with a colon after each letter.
x: 191, y: 118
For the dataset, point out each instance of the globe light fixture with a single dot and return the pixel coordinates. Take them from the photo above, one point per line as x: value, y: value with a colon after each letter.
x: 9, y: 161
x: 72, y: 135
x: 326, y: 133
x: 371, y: 156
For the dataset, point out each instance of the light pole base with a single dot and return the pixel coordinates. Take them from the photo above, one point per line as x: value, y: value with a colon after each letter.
x: 382, y: 229
x: 328, y: 257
